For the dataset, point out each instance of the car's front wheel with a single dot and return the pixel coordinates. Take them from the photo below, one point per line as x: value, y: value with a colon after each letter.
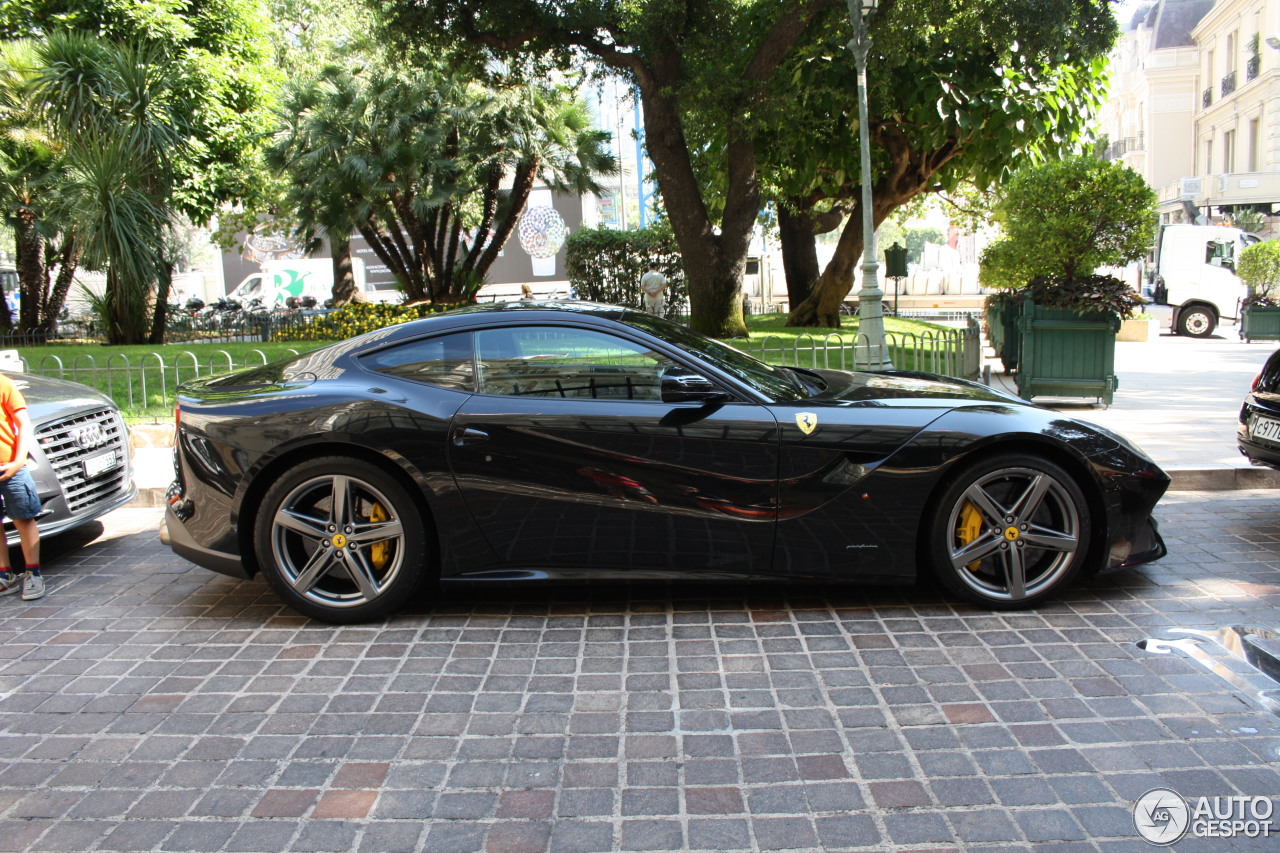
x: 1009, y: 532
x: 340, y: 541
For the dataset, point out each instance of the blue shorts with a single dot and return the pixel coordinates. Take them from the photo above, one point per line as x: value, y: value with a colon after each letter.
x: 18, y: 498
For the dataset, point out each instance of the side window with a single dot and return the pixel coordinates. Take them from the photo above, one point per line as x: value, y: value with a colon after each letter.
x: 547, y: 361
x: 1220, y: 253
x: 444, y: 360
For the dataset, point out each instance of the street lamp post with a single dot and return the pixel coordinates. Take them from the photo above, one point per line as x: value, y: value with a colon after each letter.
x: 870, y: 304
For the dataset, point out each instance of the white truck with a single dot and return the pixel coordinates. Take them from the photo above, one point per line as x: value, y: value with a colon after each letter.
x: 277, y: 281
x: 1195, y: 275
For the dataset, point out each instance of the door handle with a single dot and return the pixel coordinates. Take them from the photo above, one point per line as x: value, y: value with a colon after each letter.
x: 468, y: 435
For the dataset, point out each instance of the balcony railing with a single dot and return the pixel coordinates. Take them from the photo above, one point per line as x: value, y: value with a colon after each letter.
x: 1228, y: 84
x: 1121, y: 147
x: 1252, y: 68
x: 1207, y: 98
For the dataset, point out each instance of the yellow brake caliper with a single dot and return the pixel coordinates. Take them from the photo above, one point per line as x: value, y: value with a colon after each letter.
x: 379, y: 552
x: 969, y: 529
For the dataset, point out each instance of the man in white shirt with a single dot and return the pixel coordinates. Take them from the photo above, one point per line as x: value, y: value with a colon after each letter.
x: 653, y: 284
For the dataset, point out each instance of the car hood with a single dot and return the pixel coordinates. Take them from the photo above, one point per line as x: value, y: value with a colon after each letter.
x: 919, y: 388
x: 45, y: 395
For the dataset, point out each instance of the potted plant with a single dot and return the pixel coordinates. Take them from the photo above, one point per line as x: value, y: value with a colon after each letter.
x: 1138, y: 328
x: 1063, y: 220
x: 1259, y: 269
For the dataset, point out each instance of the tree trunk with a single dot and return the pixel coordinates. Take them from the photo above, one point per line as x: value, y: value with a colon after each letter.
x: 822, y: 307
x: 68, y: 262
x: 160, y: 315
x: 799, y: 254
x: 713, y: 263
x: 32, y: 278
x: 117, y: 318
x: 476, y: 270
x: 344, y: 274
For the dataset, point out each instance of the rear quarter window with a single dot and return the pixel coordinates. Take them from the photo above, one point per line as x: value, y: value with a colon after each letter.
x: 446, y: 361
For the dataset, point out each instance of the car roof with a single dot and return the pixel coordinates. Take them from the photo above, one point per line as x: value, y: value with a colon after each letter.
x: 503, y: 313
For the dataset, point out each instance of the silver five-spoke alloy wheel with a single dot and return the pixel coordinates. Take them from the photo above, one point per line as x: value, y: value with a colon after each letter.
x: 1011, y: 532
x: 341, y: 540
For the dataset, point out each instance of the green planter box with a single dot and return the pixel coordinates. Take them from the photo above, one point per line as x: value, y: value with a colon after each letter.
x: 1066, y: 354
x: 1260, y: 324
x: 993, y: 314
x: 1002, y: 312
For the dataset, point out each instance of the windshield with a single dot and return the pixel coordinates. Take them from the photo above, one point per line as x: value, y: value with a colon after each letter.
x: 776, y: 383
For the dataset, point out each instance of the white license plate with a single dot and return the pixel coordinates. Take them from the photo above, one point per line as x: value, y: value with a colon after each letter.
x: 103, y: 462
x: 1266, y: 429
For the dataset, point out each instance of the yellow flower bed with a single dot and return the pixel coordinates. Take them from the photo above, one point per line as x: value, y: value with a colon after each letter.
x: 356, y: 319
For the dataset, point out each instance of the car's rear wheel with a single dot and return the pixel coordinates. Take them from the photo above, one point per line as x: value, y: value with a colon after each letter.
x: 1197, y: 321
x: 340, y: 541
x: 1009, y: 532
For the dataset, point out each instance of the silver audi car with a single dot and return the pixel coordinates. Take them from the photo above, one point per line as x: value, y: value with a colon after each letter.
x: 80, y: 458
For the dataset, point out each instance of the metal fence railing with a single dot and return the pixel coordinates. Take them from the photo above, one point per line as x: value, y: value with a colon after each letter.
x: 950, y: 352
x: 147, y: 385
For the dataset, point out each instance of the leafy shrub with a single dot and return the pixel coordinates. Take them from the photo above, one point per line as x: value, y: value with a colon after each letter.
x: 605, y: 265
x: 1064, y: 219
x: 1090, y: 294
x: 1259, y: 268
x: 1004, y: 268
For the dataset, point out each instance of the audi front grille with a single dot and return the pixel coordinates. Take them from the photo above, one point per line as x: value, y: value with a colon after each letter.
x: 79, y: 450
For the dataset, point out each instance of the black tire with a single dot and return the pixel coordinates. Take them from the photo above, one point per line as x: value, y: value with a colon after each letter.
x: 988, y: 521
x: 366, y: 563
x: 1198, y: 321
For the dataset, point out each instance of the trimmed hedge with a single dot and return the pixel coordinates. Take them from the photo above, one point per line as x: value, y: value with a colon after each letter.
x: 605, y: 265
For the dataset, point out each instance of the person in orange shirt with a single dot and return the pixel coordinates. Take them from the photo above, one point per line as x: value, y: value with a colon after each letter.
x: 18, y: 493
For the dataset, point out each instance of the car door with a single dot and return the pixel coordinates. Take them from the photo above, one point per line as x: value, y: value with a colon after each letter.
x: 569, y: 459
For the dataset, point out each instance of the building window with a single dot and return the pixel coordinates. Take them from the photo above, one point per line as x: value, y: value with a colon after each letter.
x: 1255, y: 129
x: 1229, y: 152
x: 1208, y: 156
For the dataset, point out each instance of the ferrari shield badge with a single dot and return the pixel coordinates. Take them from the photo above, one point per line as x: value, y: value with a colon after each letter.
x: 807, y: 421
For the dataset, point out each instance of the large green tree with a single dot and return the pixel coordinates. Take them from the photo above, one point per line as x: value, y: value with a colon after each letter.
x: 960, y: 93
x: 681, y: 56
x: 432, y: 169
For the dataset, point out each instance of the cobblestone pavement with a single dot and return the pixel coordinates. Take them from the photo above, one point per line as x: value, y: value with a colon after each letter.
x: 149, y: 705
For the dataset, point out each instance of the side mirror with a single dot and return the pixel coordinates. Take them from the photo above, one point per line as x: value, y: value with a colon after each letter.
x: 681, y: 386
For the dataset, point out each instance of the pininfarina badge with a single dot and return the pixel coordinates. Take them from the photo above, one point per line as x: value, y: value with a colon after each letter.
x: 807, y: 421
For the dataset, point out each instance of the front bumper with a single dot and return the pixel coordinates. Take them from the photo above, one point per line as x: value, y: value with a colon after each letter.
x: 1258, y: 453
x: 1146, y: 547
x: 55, y: 521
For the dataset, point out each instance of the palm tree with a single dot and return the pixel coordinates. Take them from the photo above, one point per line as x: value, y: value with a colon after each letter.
x: 27, y: 163
x: 124, y: 127
x: 431, y: 169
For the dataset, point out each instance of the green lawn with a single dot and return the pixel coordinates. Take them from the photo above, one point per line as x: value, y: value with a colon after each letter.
x: 142, y: 379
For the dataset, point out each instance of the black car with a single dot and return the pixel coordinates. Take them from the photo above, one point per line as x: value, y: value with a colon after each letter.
x: 1258, y: 433
x: 80, y: 457
x: 530, y: 441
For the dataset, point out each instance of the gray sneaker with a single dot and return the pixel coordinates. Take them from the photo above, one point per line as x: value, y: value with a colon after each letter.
x: 32, y: 587
x: 9, y: 583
